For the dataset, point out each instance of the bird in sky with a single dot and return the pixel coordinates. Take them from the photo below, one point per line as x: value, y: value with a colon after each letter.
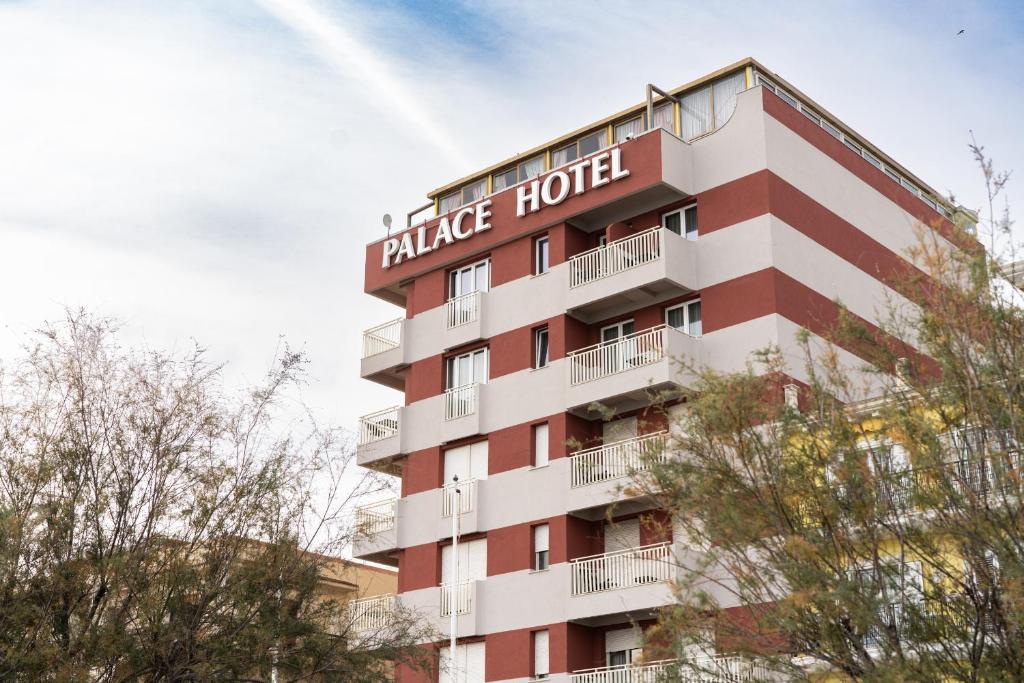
x: 960, y: 32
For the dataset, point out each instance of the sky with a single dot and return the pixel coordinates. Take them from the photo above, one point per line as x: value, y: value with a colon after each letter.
x: 212, y: 170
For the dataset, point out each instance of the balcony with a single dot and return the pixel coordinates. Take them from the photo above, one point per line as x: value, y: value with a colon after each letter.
x: 371, y: 616
x: 596, y: 474
x: 383, y: 354
x: 639, y: 270
x: 380, y: 438
x: 622, y: 569
x: 621, y: 374
x: 464, y: 319
x: 376, y: 532
x: 461, y: 412
x: 461, y: 597
x: 704, y: 670
x: 461, y: 496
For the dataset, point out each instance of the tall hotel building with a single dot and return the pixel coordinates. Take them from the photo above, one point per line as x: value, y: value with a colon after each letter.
x: 706, y: 223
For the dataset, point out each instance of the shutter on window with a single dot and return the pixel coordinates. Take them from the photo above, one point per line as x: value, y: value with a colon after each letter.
x: 477, y: 560
x: 478, y: 460
x: 621, y: 535
x: 540, y: 538
x: 540, y: 653
x: 621, y: 639
x: 475, y: 663
x: 457, y: 462
x: 618, y: 430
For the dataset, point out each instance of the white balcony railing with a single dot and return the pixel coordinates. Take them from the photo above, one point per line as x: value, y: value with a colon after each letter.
x: 617, y: 459
x: 382, y: 338
x: 378, y: 426
x: 458, y: 596
x: 371, y: 615
x: 609, y: 358
x: 465, y: 499
x: 376, y: 517
x: 703, y: 670
x: 461, y: 401
x: 621, y: 569
x: 462, y: 309
x: 615, y: 257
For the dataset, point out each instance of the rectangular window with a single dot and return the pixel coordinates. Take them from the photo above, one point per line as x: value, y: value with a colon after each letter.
x: 476, y: 277
x: 504, y: 180
x: 473, y: 191
x: 563, y: 155
x: 593, y: 142
x: 696, y: 113
x: 467, y: 368
x: 664, y: 117
x: 540, y: 547
x: 541, y: 667
x: 541, y: 456
x: 682, y: 221
x: 541, y: 255
x: 449, y: 203
x: 541, y: 348
x: 627, y: 130
x: 685, y: 318
x: 531, y: 168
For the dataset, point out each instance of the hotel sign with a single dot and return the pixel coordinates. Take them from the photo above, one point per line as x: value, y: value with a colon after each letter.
x: 599, y: 169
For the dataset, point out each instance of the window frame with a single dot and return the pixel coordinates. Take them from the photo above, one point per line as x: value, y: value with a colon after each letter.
x: 682, y: 220
x: 513, y: 170
x: 540, y: 557
x: 539, y: 332
x: 635, y: 120
x: 544, y: 239
x: 450, y: 366
x: 533, y: 444
x: 685, y: 306
x: 524, y: 162
x: 470, y: 267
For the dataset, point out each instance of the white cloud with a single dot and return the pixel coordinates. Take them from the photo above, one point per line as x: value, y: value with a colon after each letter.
x: 203, y: 170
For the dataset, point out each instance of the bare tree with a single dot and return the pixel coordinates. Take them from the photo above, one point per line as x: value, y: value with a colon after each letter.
x: 155, y: 527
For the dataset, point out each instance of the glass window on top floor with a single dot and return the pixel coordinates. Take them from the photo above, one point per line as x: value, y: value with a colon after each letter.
x: 627, y: 130
x: 531, y: 168
x: 708, y: 108
x: 504, y: 180
x: 467, y: 195
x: 682, y: 221
x: 588, y: 144
x: 664, y: 117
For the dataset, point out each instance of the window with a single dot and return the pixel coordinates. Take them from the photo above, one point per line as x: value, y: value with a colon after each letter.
x: 466, y: 462
x: 474, y: 191
x: 682, y: 221
x: 589, y: 144
x: 627, y: 130
x: 696, y: 113
x: 449, y: 203
x: 541, y: 349
x: 466, y: 368
x: 563, y: 155
x: 504, y: 180
x: 541, y: 255
x: 540, y: 445
x: 468, y: 664
x: 541, y: 667
x: 476, y: 277
x: 664, y: 117
x: 531, y: 168
x: 685, y: 318
x: 540, y: 547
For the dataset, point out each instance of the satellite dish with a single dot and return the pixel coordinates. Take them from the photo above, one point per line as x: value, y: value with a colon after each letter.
x: 387, y: 221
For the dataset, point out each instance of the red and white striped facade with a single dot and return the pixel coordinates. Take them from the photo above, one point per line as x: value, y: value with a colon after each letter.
x: 790, y: 218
